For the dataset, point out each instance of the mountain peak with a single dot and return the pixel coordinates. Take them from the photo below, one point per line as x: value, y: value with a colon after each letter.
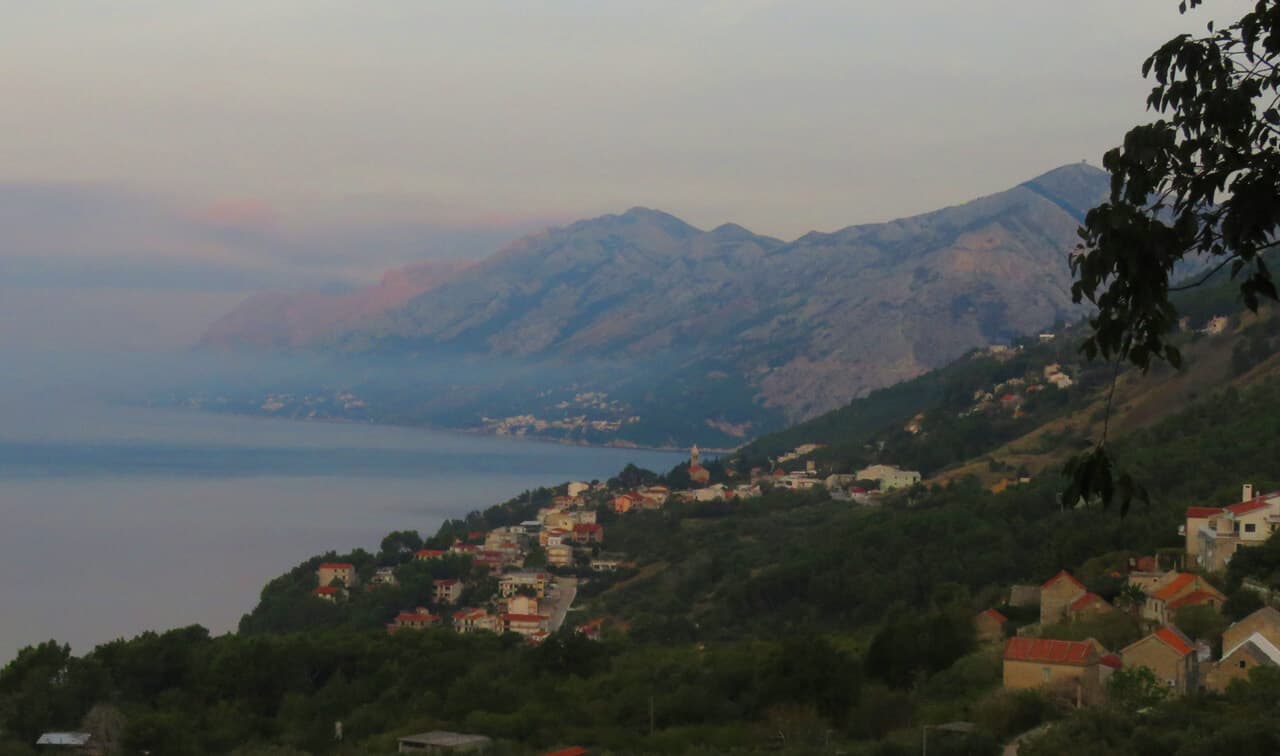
x: 668, y: 222
x: 1073, y: 187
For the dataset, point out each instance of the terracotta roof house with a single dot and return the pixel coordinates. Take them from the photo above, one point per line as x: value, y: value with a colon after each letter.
x: 329, y: 572
x: 416, y: 620
x: 1070, y: 667
x: 1159, y: 607
x: 1168, y: 653
x: 1089, y: 603
x: 425, y: 554
x: 571, y: 751
x: 1057, y: 594
x: 1214, y: 533
x: 989, y: 626
x: 330, y: 593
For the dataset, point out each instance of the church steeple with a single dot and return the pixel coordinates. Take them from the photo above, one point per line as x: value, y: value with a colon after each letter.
x: 694, y: 454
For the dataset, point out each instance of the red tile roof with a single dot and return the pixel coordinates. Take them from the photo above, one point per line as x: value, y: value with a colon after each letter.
x: 1194, y: 598
x: 1203, y: 511
x: 1175, y: 640
x: 428, y: 553
x: 446, y: 581
x: 587, y: 527
x: 1085, y: 600
x: 1077, y: 653
x: 574, y: 751
x: 337, y: 566
x: 1173, y: 587
x: 1111, y: 660
x: 993, y: 614
x: 1245, y: 507
x: 1060, y: 576
x: 327, y: 590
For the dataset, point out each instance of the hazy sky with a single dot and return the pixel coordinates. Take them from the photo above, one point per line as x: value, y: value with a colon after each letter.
x: 300, y: 141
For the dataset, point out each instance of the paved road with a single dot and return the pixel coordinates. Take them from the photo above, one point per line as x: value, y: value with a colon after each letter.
x: 566, y: 590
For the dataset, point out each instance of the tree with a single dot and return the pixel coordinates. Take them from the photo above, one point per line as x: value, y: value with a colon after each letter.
x: 1200, y: 181
x: 1134, y: 688
x: 1201, y: 622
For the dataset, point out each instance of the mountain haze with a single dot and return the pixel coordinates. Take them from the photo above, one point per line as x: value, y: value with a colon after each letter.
x: 807, y: 325
x: 301, y: 319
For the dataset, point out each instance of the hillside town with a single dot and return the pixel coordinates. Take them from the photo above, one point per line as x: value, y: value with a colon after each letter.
x: 524, y: 576
x: 1159, y: 592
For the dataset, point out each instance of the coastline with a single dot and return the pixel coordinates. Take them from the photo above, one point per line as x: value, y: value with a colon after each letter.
x: 472, y: 432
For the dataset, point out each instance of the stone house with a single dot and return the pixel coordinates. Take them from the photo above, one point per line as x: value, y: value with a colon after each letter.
x: 1237, y: 661
x: 1169, y: 654
x: 1024, y: 595
x: 1072, y: 668
x: 1181, y: 589
x: 988, y: 626
x: 343, y: 572
x: 1265, y: 621
x: 1057, y: 594
x: 1087, y: 605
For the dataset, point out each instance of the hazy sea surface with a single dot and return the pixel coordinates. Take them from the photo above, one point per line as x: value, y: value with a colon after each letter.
x: 115, y: 520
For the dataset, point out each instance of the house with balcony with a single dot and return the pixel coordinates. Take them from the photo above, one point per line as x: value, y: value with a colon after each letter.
x: 518, y: 582
x: 1212, y: 534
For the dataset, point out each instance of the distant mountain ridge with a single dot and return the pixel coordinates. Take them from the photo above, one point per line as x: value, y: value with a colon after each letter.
x: 286, y: 321
x: 787, y: 329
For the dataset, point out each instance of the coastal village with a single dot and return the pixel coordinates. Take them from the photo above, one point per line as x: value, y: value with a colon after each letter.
x: 1039, y: 652
x: 534, y: 567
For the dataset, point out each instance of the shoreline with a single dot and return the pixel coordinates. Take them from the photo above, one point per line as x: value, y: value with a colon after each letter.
x: 472, y: 432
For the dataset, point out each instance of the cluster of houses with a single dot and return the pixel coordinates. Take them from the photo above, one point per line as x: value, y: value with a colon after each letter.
x: 1010, y: 395
x: 526, y: 600
x: 1081, y: 668
x: 843, y: 487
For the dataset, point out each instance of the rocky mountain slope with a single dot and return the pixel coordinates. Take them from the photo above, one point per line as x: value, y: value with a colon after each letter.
x: 807, y: 325
x: 286, y: 321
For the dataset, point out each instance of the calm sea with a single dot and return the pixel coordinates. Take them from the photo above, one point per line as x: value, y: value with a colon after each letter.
x: 116, y: 520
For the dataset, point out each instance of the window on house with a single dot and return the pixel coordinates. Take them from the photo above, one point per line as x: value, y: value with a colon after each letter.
x: 1241, y: 664
x: 1250, y: 527
x: 1047, y: 673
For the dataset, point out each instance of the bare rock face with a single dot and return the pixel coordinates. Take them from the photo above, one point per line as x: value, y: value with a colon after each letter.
x: 808, y: 324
